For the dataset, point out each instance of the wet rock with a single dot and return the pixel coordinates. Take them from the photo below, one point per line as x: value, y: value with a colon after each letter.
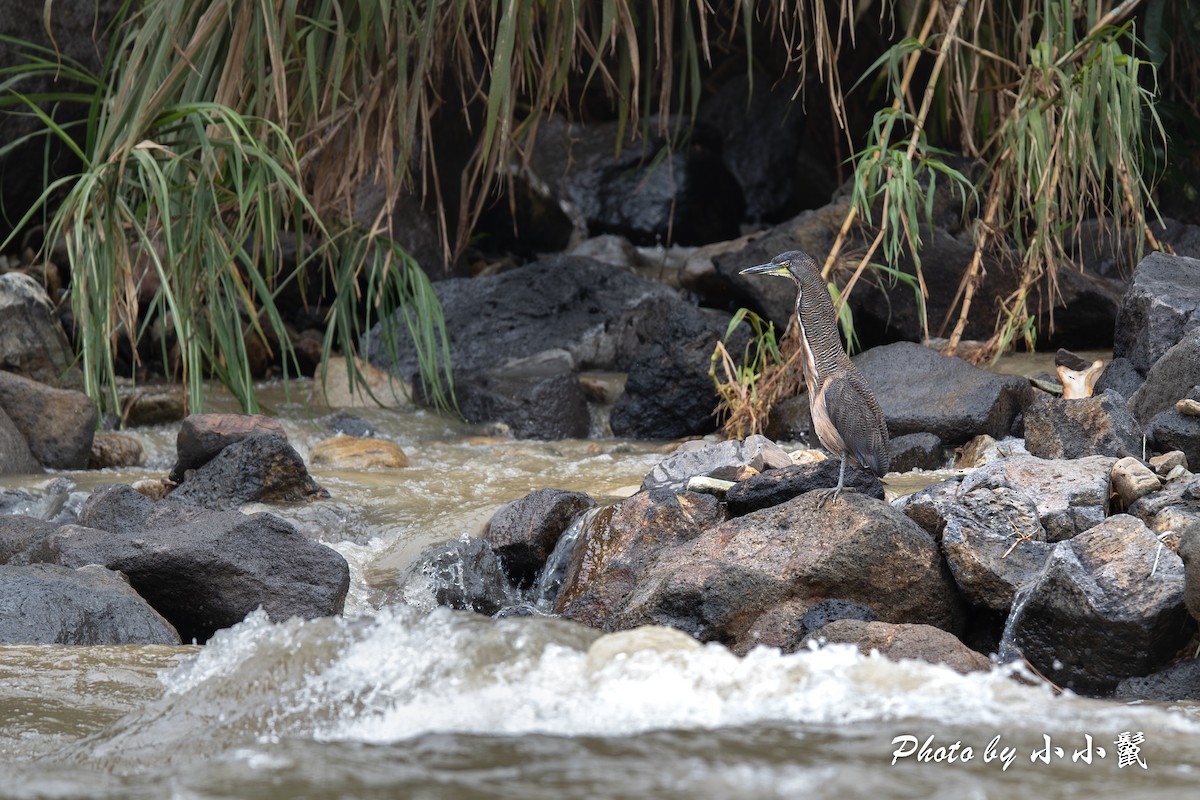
x: 722, y: 460
x: 463, y: 574
x: 1119, y: 375
x: 1071, y: 495
x: 716, y: 586
x: 538, y: 397
x: 20, y: 532
x: 668, y: 392
x: 523, y: 533
x: 1161, y: 306
x: 55, y: 501
x: 261, y: 467
x: 202, y: 436
x: 600, y: 315
x: 118, y: 508
x: 688, y: 197
x: 915, y: 451
x: 15, y: 457
x: 1133, y: 480
x: 86, y: 606
x: 1175, y: 683
x: 58, y: 424
x: 826, y: 611
x: 213, y: 570
x: 1170, y: 379
x: 1170, y: 430
x: 345, y: 423
x: 1108, y: 606
x: 1097, y: 425
x: 352, y: 452
x: 32, y: 341
x: 780, y: 485
x: 921, y: 390
x: 906, y: 641
x: 621, y: 545
x: 115, y: 450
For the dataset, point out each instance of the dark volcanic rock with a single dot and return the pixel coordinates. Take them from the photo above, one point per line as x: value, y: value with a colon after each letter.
x: 18, y: 533
x: 1097, y: 425
x: 1170, y: 379
x: 14, y: 450
x: 523, y: 533
x: 721, y: 460
x: 463, y: 574
x: 600, y: 315
x: 669, y: 393
x: 32, y: 341
x: 212, y: 571
x: 86, y: 606
x: 202, y: 436
x: 116, y: 507
x: 1171, y: 430
x: 897, y: 642
x: 1175, y: 507
x: 780, y: 485
x: 1177, y: 682
x: 1103, y: 609
x: 1119, y: 375
x: 622, y: 544
x: 1189, y: 553
x: 915, y: 451
x: 1160, y: 307
x: 717, y: 586
x: 58, y: 424
x: 921, y: 390
x: 826, y: 611
x: 262, y: 467
x: 539, y: 397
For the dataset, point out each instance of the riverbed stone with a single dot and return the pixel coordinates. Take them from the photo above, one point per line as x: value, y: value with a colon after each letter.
x: 906, y: 641
x: 463, y: 574
x: 1109, y: 605
x: 1178, y: 682
x: 1160, y: 307
x: 523, y: 533
x: 537, y: 397
x: 717, y: 585
x: 1097, y: 425
x: 117, y: 507
x: 621, y: 545
x: 213, y: 570
x: 58, y: 424
x: 921, y: 390
x: 202, y: 436
x: 780, y: 485
x: 922, y: 450
x: 115, y: 450
x: 1175, y: 507
x: 1170, y: 379
x: 33, y: 343
x: 1171, y: 430
x: 354, y: 453
x: 1133, y: 480
x: 722, y: 460
x: 15, y: 456
x: 261, y: 467
x: 90, y: 605
x: 20, y: 532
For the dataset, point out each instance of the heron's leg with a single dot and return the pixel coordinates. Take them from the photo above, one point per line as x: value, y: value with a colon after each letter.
x: 832, y: 494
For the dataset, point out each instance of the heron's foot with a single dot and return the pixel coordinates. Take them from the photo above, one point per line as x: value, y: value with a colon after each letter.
x: 826, y: 496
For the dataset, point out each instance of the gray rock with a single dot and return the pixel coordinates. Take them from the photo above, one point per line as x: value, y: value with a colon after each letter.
x: 1170, y: 379
x: 1175, y: 507
x: 212, y: 571
x: 202, y: 436
x: 598, y: 314
x: 826, y: 611
x: 715, y: 459
x: 523, y: 533
x: 58, y: 424
x: 1108, y: 606
x: 780, y: 485
x: 1097, y: 425
x: 538, y: 397
x: 1119, y: 375
x: 1175, y: 683
x: 86, y: 606
x: 669, y: 393
x: 1189, y: 553
x: 1171, y: 430
x: 1161, y: 306
x: 717, y: 586
x: 906, y: 641
x: 19, y: 533
x: 921, y: 390
x: 911, y: 451
x: 116, y: 507
x: 262, y: 467
x: 32, y: 341
x: 15, y: 456
x: 463, y: 574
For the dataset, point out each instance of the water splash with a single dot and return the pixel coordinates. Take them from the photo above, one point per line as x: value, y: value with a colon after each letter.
x: 1008, y: 651
x: 550, y: 581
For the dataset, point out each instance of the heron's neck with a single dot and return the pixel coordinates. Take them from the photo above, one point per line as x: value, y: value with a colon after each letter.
x: 819, y: 332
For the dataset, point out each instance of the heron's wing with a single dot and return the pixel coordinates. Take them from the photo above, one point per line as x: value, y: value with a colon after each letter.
x: 855, y: 412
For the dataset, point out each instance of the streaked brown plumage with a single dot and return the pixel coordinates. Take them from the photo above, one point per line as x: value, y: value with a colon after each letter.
x: 846, y: 416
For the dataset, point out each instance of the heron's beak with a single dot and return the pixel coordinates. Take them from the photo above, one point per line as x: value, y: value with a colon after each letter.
x: 765, y: 269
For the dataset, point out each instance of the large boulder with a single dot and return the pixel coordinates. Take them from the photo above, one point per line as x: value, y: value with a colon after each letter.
x: 1097, y: 425
x: 1161, y: 306
x: 780, y: 485
x: 921, y: 390
x: 32, y: 340
x: 19, y: 532
x: 211, y: 571
x: 1170, y: 379
x: 719, y: 585
x: 58, y: 424
x: 1175, y: 507
x: 86, y: 606
x: 598, y: 314
x: 523, y: 533
x: 539, y: 397
x: 1107, y: 606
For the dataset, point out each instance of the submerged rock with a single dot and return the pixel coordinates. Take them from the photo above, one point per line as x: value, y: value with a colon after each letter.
x: 90, y: 605
x: 463, y: 574
x: 353, y: 452
x: 523, y: 533
x: 1108, y: 606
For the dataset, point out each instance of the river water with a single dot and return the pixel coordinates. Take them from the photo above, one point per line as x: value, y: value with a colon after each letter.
x: 407, y: 702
